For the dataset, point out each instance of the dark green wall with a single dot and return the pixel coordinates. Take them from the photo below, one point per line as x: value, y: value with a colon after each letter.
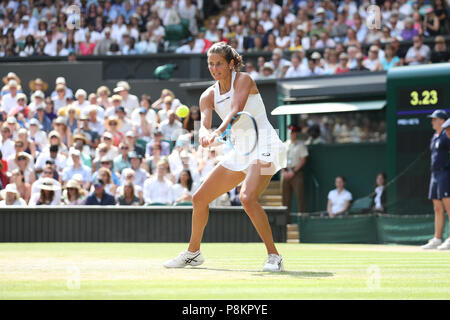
x: 358, y: 162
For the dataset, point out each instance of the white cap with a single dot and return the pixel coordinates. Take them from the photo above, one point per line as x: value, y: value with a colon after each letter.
x: 60, y: 80
x: 74, y: 152
x: 320, y: 10
x: 80, y: 92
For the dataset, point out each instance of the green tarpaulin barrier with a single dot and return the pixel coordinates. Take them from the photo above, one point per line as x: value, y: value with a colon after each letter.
x: 350, y: 229
x: 368, y: 228
x: 406, y: 229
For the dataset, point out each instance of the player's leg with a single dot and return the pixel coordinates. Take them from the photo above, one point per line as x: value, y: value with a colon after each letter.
x: 219, y: 181
x: 252, y: 187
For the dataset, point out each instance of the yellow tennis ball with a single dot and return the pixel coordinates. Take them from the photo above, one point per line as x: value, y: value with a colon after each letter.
x: 182, y: 111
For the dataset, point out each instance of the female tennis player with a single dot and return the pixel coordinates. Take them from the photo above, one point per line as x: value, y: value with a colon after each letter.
x: 234, y: 92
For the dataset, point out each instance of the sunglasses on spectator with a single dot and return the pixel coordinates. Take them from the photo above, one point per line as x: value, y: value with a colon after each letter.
x: 18, y: 146
x: 105, y: 162
x: 106, y: 138
x: 22, y: 158
x: 113, y: 123
x: 103, y: 150
x: 97, y: 186
x: 48, y: 172
x: 124, y: 148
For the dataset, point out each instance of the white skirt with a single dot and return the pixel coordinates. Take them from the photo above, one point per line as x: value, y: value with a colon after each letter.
x: 270, y: 149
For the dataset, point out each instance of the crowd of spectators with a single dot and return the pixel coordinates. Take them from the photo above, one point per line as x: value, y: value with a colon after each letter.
x: 101, y: 148
x: 346, y: 127
x: 321, y: 37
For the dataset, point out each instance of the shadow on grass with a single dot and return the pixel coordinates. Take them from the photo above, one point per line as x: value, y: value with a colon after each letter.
x: 295, y: 274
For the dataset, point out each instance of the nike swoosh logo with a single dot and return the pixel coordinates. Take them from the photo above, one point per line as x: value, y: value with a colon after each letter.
x: 266, y: 154
x: 223, y: 100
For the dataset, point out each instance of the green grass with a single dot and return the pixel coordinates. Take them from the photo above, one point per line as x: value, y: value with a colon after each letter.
x: 231, y: 271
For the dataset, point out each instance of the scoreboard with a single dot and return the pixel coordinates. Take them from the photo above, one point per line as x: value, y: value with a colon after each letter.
x: 413, y: 93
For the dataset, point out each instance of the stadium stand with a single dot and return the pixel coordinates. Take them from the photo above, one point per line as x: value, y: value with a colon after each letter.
x: 68, y: 144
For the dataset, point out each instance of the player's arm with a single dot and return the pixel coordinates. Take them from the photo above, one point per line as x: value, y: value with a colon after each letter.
x: 206, y: 108
x: 242, y: 87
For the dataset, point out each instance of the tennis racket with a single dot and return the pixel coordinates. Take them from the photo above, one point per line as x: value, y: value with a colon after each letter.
x: 241, y: 134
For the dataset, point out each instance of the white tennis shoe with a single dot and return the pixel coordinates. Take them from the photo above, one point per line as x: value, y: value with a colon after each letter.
x: 185, y: 258
x: 274, y: 263
x: 432, y: 244
x: 445, y: 245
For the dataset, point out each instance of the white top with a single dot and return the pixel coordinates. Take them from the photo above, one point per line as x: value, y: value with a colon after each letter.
x: 158, y: 191
x: 378, y: 194
x: 339, y: 200
x: 269, y: 147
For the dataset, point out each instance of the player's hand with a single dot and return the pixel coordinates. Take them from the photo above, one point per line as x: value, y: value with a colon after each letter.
x: 212, y: 137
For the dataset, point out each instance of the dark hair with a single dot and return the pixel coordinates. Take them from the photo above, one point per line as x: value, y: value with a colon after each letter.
x: 190, y: 181
x: 228, y: 52
x: 384, y: 178
x: 342, y: 177
x: 188, y: 122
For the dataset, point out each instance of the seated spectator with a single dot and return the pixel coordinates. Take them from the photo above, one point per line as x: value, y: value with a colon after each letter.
x: 158, y: 188
x: 343, y: 64
x: 47, y: 194
x: 389, y: 60
x: 331, y: 63
x: 372, y: 62
x: 419, y: 53
x: 139, y: 173
x: 440, y: 53
x: 106, y: 175
x: 52, y: 153
x: 268, y: 72
x: 23, y: 162
x: 92, y: 137
x: 234, y: 195
x: 314, y: 135
x: 338, y: 199
x: 48, y: 172
x: 73, y: 194
x: 23, y: 187
x: 129, y: 176
x: 431, y: 23
x: 128, y: 196
x: 129, y: 101
x: 132, y: 144
x: 11, y: 197
x: 409, y: 32
x: 171, y: 128
x: 152, y: 161
x: 296, y: 69
x: 86, y: 47
x: 379, y: 196
x: 185, y: 188
x: 77, y: 167
x: 359, y: 63
x: 157, y: 139
x: 122, y: 161
x: 99, y: 197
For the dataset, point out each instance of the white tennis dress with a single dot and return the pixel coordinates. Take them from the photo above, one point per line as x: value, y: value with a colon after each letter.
x: 269, y: 148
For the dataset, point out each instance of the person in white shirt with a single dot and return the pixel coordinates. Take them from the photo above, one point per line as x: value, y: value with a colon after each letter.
x: 339, y: 199
x: 296, y: 69
x: 7, y: 144
x: 419, y: 53
x: 129, y: 101
x: 9, y: 100
x: 171, y: 128
x: 158, y: 189
x: 24, y: 29
x: 81, y: 103
x: 60, y: 100
x: 372, y: 62
x: 189, y: 47
x: 11, y: 197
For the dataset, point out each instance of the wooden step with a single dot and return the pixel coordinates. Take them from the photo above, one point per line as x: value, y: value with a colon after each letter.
x: 292, y: 227
x: 293, y: 241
